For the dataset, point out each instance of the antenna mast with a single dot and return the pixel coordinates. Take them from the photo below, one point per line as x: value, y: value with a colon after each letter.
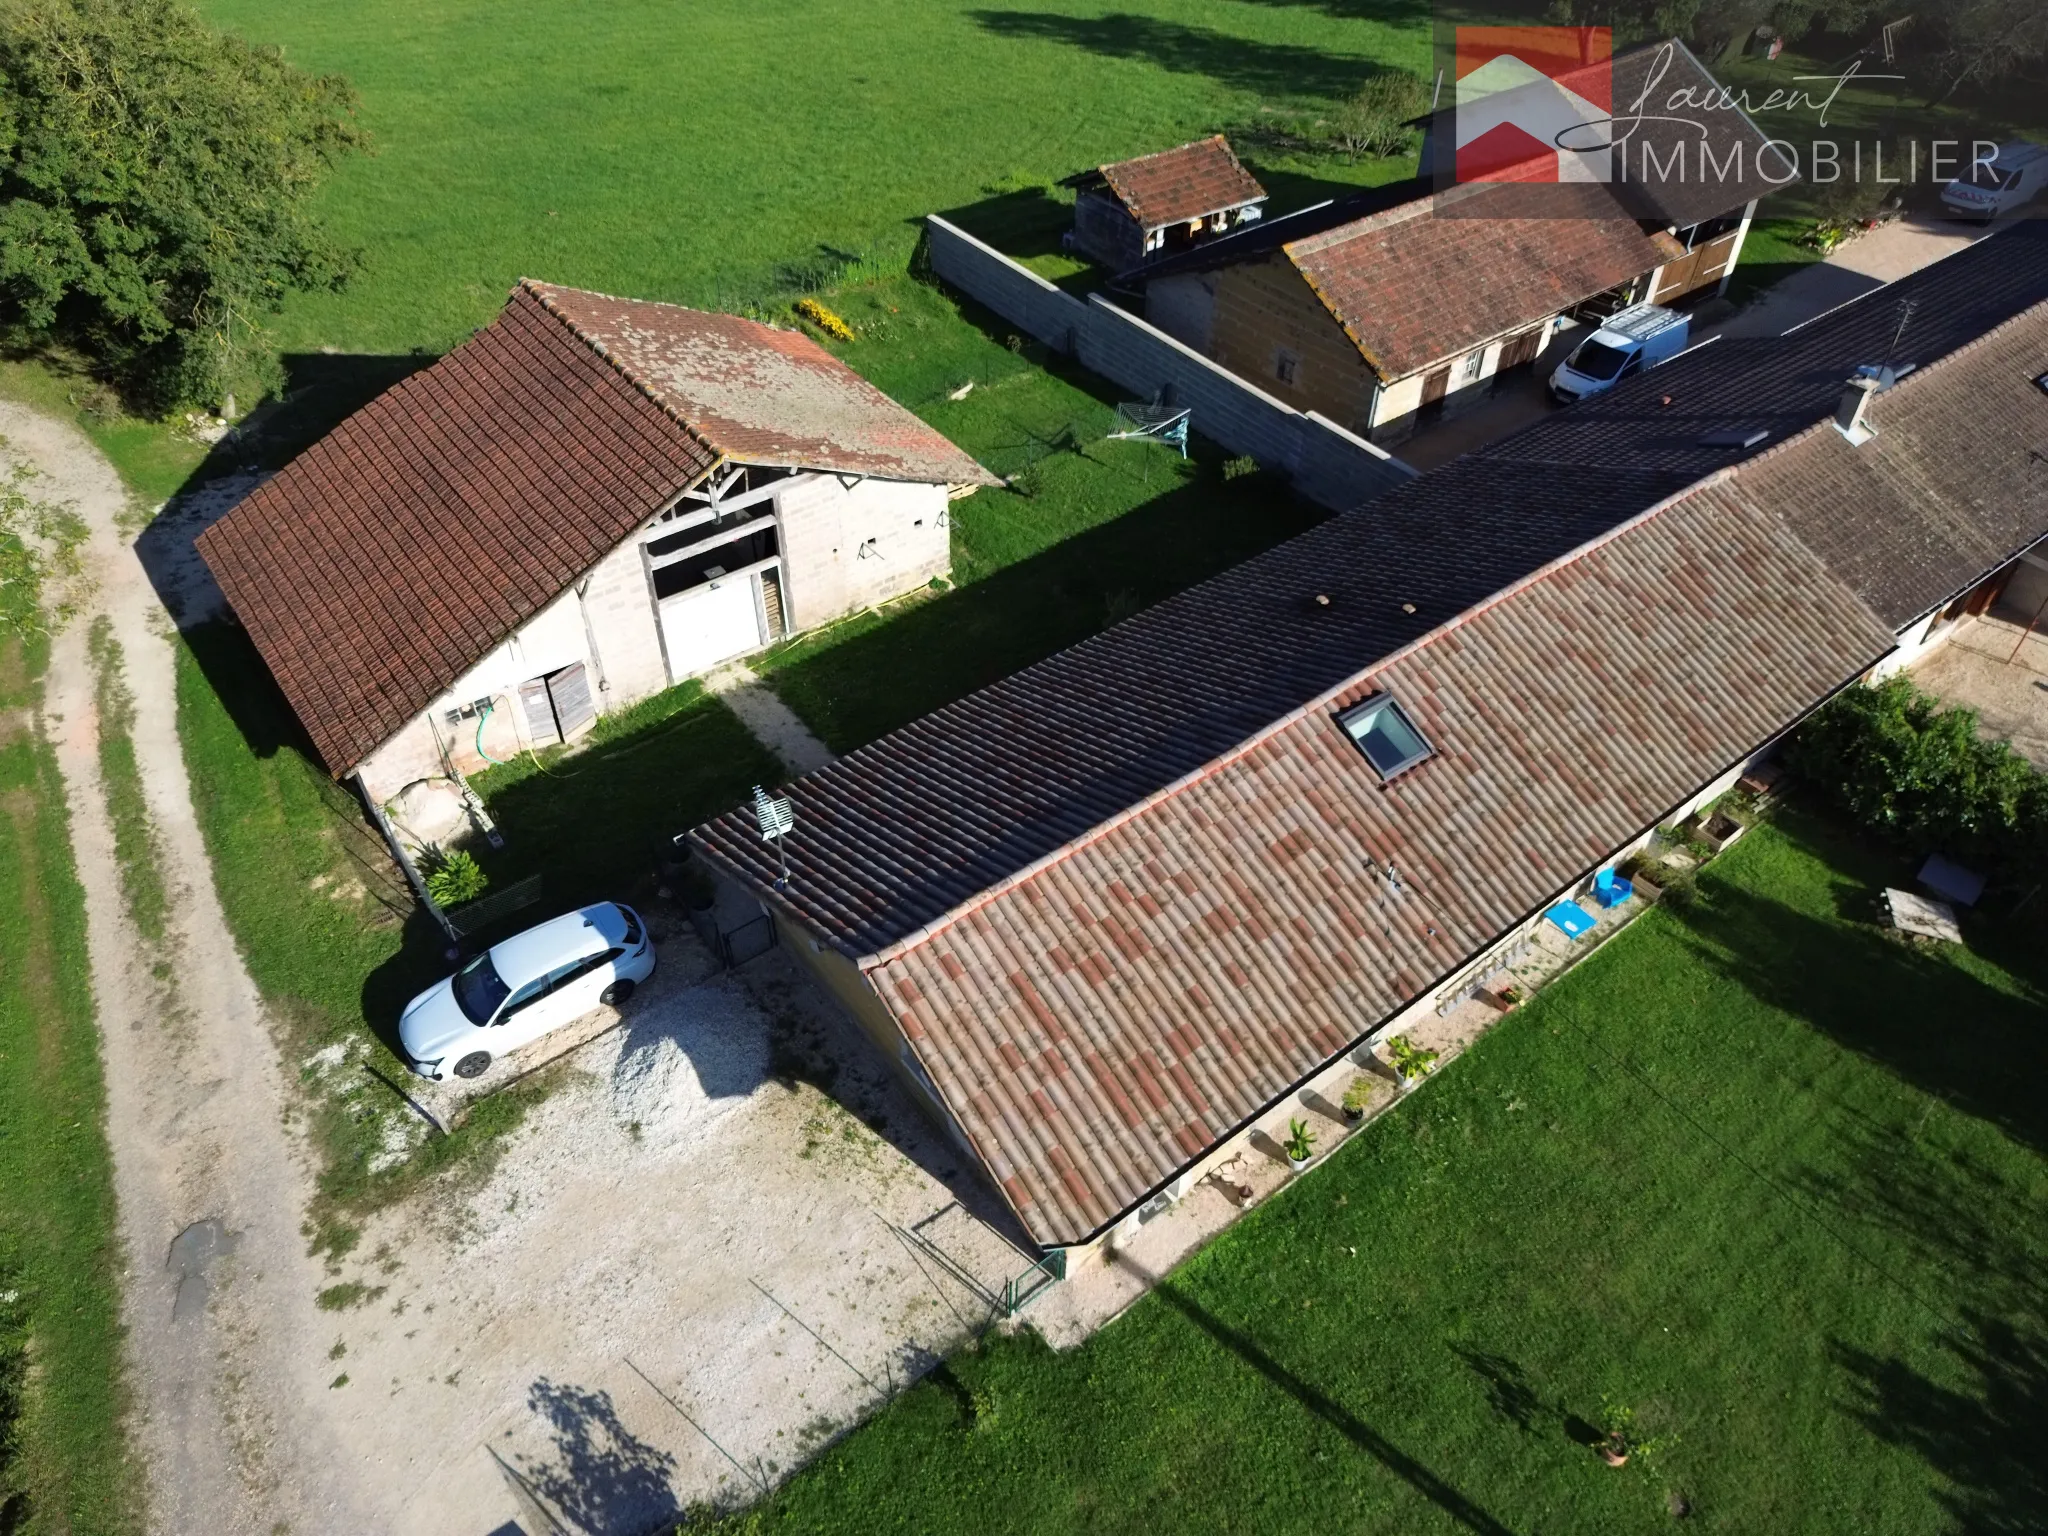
x: 775, y: 816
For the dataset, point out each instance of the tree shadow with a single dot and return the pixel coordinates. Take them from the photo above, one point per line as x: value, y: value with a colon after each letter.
x: 1029, y: 221
x: 1267, y: 69
x: 1508, y: 1392
x: 1978, y: 1414
x: 1983, y: 1432
x: 320, y: 391
x: 1920, y: 1014
x: 601, y: 1479
x: 1463, y: 1510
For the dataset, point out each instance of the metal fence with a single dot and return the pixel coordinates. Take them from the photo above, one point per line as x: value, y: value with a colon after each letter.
x: 475, y: 916
x: 1020, y: 1292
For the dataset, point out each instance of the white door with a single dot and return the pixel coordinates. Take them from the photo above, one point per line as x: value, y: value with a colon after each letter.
x: 703, y: 627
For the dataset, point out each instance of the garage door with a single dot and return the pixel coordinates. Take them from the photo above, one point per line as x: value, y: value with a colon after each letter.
x: 703, y: 627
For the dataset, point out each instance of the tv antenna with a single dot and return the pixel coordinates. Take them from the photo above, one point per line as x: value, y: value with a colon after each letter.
x: 775, y: 816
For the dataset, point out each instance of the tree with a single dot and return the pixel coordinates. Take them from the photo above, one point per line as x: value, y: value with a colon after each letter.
x: 154, y: 179
x: 1375, y: 120
x: 1977, y: 41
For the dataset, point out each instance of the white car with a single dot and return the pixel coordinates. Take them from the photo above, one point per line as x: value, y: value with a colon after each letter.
x: 2015, y: 175
x: 519, y: 990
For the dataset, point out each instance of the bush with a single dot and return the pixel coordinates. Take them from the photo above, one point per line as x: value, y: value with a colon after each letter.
x: 1918, y: 774
x: 455, y: 878
x: 1375, y: 120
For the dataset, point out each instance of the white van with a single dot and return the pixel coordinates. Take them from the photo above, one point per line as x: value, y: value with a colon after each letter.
x: 1639, y: 337
x: 2015, y: 175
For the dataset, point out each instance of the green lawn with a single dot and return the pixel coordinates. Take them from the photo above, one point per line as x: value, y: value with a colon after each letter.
x: 63, y: 1465
x: 1767, y: 1178
x: 688, y: 152
x: 1095, y: 530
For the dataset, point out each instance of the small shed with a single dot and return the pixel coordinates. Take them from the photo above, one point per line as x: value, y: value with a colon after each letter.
x: 1139, y: 210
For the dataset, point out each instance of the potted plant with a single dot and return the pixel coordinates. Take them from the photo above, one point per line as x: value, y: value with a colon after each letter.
x: 1619, y: 1438
x: 1507, y: 997
x: 1411, y: 1061
x: 1617, y: 1419
x: 1356, y: 1097
x: 1301, y: 1144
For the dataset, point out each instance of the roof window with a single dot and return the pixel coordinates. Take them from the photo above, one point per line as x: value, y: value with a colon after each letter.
x: 1385, y: 735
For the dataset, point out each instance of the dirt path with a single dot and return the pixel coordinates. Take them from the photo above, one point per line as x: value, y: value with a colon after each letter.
x: 218, y: 1302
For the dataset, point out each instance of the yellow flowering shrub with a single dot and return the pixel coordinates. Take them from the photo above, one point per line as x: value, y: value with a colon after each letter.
x: 824, y: 319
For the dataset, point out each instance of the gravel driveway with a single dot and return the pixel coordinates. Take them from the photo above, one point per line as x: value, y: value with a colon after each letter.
x: 686, y: 1274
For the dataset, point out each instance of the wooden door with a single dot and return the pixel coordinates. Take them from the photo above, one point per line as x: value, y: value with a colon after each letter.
x: 570, y: 691
x: 1520, y: 350
x: 540, y: 712
x: 1434, y: 386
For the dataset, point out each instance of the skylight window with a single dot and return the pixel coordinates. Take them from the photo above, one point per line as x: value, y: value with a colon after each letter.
x: 1385, y: 735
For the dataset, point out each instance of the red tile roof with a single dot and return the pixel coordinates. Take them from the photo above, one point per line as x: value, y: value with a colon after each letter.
x: 1123, y: 901
x: 1177, y: 185
x: 393, y: 554
x: 1434, y: 278
x: 1097, y: 1023
x: 758, y: 394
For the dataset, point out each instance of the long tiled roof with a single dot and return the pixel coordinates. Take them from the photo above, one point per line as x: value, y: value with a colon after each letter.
x: 1187, y: 182
x: 1121, y: 901
x: 1101, y: 1024
x: 896, y: 837
x: 1436, y: 277
x: 383, y: 562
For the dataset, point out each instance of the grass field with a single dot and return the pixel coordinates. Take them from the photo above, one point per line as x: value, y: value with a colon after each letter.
x: 1766, y: 1178
x: 63, y: 1466
x: 687, y: 152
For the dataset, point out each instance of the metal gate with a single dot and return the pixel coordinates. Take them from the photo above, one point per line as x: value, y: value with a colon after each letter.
x: 1020, y: 1292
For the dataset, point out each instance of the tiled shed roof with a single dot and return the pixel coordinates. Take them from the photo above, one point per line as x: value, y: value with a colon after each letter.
x: 407, y: 543
x: 404, y: 545
x: 1417, y: 284
x: 1121, y: 901
x: 1189, y: 182
x: 759, y: 394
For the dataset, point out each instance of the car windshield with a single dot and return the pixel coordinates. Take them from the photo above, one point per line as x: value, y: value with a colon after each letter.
x: 1991, y: 175
x: 1597, y: 360
x: 479, y: 989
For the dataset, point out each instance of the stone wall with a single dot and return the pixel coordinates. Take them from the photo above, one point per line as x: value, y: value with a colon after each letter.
x: 1326, y: 462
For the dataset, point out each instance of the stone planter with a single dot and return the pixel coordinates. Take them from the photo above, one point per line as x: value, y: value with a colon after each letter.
x: 1718, y: 831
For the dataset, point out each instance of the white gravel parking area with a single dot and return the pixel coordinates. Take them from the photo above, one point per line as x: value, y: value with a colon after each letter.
x: 690, y: 1269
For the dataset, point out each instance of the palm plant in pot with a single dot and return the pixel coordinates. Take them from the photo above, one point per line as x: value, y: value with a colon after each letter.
x: 1356, y: 1097
x: 1410, y: 1060
x: 1300, y: 1144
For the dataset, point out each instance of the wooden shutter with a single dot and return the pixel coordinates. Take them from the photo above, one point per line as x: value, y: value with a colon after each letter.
x: 540, y: 712
x: 1434, y: 385
x: 570, y: 690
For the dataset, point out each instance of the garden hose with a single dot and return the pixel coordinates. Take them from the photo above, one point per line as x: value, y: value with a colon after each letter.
x: 482, y: 718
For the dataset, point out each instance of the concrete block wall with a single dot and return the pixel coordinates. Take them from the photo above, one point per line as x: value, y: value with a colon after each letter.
x: 1326, y: 463
x: 619, y: 606
x: 846, y: 547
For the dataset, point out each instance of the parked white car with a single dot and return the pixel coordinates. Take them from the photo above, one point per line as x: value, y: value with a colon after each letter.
x: 2015, y: 175
x: 1625, y: 344
x: 519, y: 990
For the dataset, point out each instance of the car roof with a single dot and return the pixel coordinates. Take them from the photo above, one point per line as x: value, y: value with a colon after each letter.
x: 571, y: 936
x: 2013, y: 156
